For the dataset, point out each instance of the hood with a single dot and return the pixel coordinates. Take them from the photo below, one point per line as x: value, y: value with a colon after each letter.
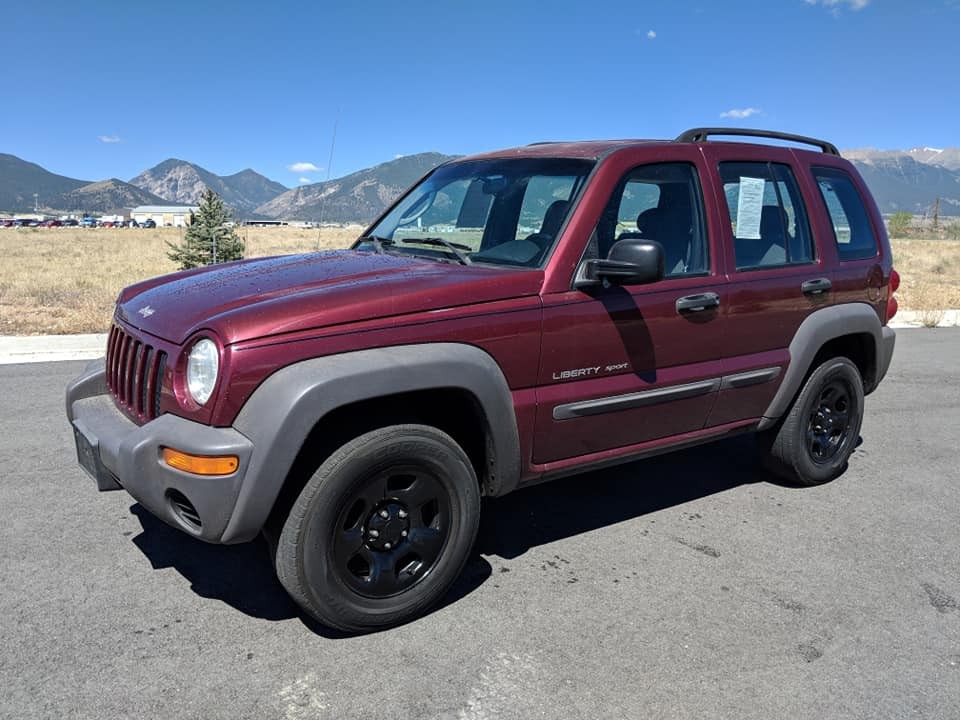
x: 266, y: 296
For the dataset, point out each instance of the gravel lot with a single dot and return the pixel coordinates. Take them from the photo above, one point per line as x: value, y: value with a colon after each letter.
x: 680, y: 587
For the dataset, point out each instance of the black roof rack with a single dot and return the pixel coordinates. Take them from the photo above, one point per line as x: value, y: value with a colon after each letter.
x: 701, y: 134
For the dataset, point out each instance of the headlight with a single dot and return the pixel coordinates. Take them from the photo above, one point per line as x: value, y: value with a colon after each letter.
x: 202, y: 367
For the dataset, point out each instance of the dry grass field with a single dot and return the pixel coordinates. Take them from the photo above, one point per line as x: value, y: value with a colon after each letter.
x: 930, y: 276
x: 65, y: 280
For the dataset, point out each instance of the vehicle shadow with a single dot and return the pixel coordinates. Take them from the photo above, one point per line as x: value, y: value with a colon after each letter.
x: 242, y: 576
x: 512, y: 525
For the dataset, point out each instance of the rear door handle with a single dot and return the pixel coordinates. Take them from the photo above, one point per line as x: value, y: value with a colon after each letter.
x: 816, y: 287
x: 698, y: 303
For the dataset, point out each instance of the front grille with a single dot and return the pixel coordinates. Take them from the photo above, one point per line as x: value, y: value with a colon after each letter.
x: 134, y: 374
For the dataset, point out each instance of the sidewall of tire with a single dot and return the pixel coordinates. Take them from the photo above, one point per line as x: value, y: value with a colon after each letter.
x: 305, y: 564
x: 789, y: 453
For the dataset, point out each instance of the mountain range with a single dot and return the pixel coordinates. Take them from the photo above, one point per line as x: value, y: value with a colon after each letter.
x: 182, y: 182
x: 358, y: 197
x: 901, y: 180
x: 911, y: 180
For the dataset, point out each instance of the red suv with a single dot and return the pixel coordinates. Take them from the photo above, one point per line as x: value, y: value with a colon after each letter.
x: 514, y: 317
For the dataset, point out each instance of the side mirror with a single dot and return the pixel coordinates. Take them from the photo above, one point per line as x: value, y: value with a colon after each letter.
x: 630, y: 262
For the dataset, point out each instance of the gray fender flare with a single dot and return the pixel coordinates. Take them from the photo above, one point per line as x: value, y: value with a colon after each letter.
x: 283, y: 410
x: 814, y: 332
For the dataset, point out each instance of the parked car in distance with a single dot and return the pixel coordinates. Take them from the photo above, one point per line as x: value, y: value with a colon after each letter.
x: 52, y: 223
x: 88, y: 222
x: 71, y: 222
x: 7, y: 222
x: 148, y: 223
x: 515, y: 317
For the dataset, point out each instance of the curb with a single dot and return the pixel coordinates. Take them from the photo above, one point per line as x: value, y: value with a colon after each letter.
x: 16, y: 349
x: 912, y: 318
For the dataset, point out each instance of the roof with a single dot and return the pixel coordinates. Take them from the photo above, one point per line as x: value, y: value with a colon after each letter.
x: 165, y: 209
x: 594, y: 149
x: 587, y: 149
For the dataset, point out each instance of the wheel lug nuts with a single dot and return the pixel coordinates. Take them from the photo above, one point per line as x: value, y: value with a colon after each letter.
x: 402, y: 513
x: 387, y: 545
x: 384, y: 514
x: 403, y: 533
x: 374, y: 533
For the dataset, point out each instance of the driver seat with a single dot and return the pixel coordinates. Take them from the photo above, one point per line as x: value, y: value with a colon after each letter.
x: 552, y: 220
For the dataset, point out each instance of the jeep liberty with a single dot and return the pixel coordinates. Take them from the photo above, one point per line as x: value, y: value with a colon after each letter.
x: 514, y: 317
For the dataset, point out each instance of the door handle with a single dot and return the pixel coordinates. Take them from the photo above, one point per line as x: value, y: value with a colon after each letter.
x: 698, y: 303
x: 816, y: 287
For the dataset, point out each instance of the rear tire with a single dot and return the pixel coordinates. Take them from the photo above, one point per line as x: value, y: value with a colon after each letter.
x: 813, y: 443
x: 381, y: 530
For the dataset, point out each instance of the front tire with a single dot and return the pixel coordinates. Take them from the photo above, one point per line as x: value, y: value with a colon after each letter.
x: 813, y: 443
x: 381, y: 530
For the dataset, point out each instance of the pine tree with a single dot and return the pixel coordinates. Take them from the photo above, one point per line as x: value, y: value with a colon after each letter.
x: 209, y: 238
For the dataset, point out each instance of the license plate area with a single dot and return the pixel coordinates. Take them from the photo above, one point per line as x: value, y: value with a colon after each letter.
x: 88, y: 455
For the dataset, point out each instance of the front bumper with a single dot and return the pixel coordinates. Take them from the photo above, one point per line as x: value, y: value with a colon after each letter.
x: 120, y: 454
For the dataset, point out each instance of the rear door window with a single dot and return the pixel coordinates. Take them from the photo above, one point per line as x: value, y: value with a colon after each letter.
x: 852, y: 228
x: 767, y: 215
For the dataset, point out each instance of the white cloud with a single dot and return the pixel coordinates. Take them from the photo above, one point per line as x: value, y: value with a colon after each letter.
x: 397, y: 157
x: 740, y: 113
x: 109, y: 138
x: 852, y: 4
x: 303, y: 167
x: 652, y: 34
x: 305, y: 180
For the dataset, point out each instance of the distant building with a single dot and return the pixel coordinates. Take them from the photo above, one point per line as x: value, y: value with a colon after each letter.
x: 164, y: 215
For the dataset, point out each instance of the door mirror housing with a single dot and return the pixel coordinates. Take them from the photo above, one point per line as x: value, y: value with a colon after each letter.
x: 630, y: 262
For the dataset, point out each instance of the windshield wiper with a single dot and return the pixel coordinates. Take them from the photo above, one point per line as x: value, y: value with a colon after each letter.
x: 455, y: 248
x: 377, y: 242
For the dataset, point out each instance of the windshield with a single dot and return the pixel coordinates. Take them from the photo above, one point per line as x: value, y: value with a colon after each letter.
x: 502, y: 212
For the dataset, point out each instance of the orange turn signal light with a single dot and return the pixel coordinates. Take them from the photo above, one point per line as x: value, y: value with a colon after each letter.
x: 201, y: 464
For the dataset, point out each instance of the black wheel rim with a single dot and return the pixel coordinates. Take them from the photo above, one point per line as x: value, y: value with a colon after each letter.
x: 828, y: 430
x: 391, y: 532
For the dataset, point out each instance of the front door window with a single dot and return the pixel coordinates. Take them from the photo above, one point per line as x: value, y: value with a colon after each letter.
x: 660, y: 202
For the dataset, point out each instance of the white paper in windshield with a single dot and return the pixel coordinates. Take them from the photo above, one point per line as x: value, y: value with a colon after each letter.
x: 749, y: 208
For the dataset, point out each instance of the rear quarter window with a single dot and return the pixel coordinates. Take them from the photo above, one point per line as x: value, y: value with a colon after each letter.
x: 852, y: 229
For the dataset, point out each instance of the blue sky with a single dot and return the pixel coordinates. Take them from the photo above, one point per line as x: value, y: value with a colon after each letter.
x: 106, y: 89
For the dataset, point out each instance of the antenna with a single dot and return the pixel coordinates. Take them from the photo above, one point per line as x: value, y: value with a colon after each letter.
x: 323, y: 200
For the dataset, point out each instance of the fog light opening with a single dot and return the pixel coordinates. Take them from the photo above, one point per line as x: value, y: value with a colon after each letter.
x: 184, y: 510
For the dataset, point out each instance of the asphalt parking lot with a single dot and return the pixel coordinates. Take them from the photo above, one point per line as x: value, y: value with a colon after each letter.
x: 686, y: 586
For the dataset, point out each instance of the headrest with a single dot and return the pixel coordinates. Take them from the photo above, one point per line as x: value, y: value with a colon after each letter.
x: 553, y: 217
x: 647, y: 219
